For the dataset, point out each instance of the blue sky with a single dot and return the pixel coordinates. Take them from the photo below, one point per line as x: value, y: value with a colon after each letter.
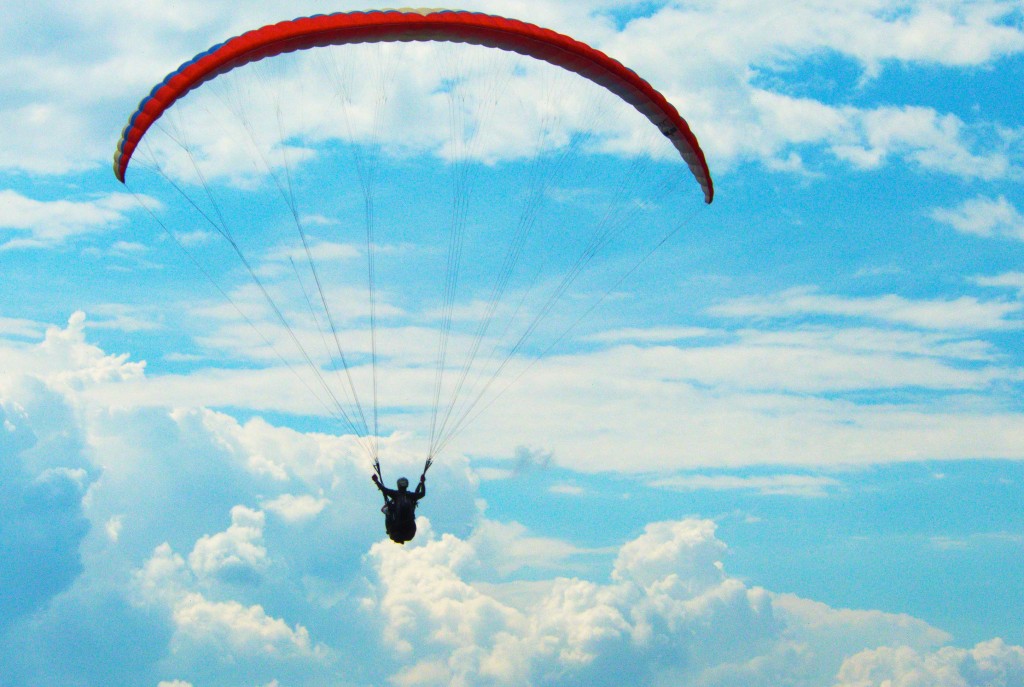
x: 782, y: 448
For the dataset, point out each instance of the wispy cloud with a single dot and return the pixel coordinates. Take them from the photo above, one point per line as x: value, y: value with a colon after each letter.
x: 124, y: 318
x: 12, y: 326
x: 976, y: 540
x: 965, y: 313
x: 809, y: 486
x: 652, y: 334
x: 567, y: 489
x: 984, y: 216
x: 51, y: 222
x: 1008, y: 280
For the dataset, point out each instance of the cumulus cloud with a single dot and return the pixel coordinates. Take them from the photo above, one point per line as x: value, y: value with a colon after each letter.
x: 241, y: 629
x: 235, y: 628
x: 669, y: 610
x: 236, y: 553
x: 665, y: 546
x: 569, y: 631
x: 988, y: 663
x: 66, y: 361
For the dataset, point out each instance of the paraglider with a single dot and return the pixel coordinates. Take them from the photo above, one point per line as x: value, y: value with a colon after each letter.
x: 308, y: 313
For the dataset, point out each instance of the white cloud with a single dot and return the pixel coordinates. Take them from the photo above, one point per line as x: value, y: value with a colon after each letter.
x: 445, y: 608
x: 966, y: 35
x: 66, y: 361
x: 867, y: 31
x: 965, y: 313
x: 686, y: 549
x: 866, y: 340
x: 759, y: 413
x: 982, y: 216
x: 236, y: 552
x: 124, y: 318
x: 733, y: 427
x: 568, y: 489
x: 789, y: 485
x: 232, y: 627
x: 113, y: 527
x: 489, y: 474
x: 923, y: 136
x: 769, y: 125
x: 846, y: 630
x: 949, y: 543
x: 791, y: 363
x: 11, y: 326
x: 669, y: 610
x: 757, y: 397
x: 508, y: 547
x: 48, y: 223
x: 320, y: 252
x: 1007, y: 280
x: 296, y: 508
x: 421, y: 598
x: 989, y: 663
x: 652, y: 334
x: 708, y: 58
x: 243, y: 630
x: 36, y: 138
x: 198, y: 237
x: 976, y: 540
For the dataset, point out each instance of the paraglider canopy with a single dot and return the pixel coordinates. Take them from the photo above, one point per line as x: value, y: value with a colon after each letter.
x: 418, y: 25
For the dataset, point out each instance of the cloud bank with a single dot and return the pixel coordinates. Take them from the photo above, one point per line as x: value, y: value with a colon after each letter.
x: 208, y: 551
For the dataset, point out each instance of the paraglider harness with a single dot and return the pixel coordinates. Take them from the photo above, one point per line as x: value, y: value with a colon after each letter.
x: 400, y: 505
